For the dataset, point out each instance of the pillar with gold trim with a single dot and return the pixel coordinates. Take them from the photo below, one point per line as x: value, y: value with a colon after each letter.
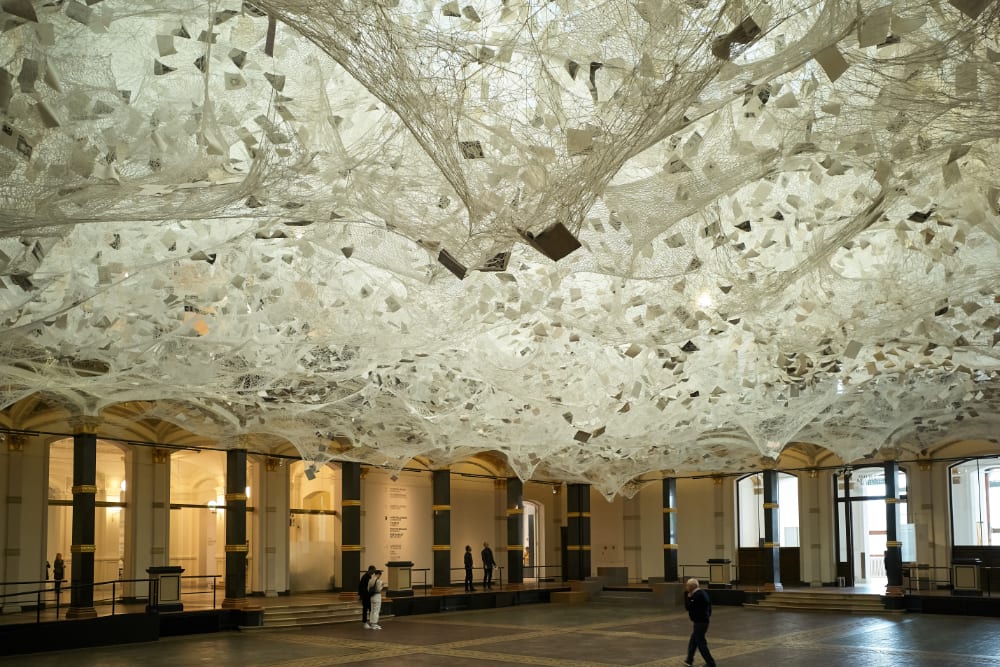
x: 893, y: 547
x: 81, y: 604
x: 515, y: 530
x: 441, y: 507
x: 236, y: 529
x: 578, y: 531
x: 670, y: 567
x: 350, y: 525
x: 772, y: 529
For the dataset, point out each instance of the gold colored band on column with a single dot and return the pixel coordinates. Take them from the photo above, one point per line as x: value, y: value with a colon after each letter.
x: 890, y: 501
x: 669, y: 510
x: 770, y: 506
x: 893, y: 543
x: 441, y: 508
x: 350, y: 547
x: 350, y: 503
x: 84, y: 488
x: 520, y: 547
x: 235, y: 548
x: 514, y: 510
x: 768, y: 545
x: 670, y: 546
x: 441, y: 547
x: 82, y: 548
x: 236, y: 496
x: 577, y: 515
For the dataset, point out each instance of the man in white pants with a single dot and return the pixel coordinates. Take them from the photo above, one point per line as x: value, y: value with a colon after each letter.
x: 375, y: 590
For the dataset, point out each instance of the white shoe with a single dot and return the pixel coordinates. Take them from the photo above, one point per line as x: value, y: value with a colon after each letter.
x: 377, y: 627
x: 367, y: 626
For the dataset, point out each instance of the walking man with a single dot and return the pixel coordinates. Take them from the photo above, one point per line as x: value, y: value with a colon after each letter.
x: 699, y: 608
x: 488, y: 565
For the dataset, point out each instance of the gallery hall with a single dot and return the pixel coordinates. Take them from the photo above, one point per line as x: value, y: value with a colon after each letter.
x: 607, y: 296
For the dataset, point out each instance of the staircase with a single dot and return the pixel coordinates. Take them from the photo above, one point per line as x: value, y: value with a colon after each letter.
x: 313, y: 614
x: 809, y: 601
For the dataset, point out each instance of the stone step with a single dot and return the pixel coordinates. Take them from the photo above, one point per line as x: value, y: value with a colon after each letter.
x: 807, y: 601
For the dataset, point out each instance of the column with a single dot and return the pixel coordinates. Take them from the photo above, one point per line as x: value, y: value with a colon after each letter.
x: 441, y: 507
x: 578, y: 531
x: 893, y: 547
x: 670, y: 569
x: 515, y: 530
x: 273, y: 497
x: 159, y: 549
x: 350, y: 523
x: 81, y: 603
x: 11, y: 462
x: 236, y: 529
x: 772, y: 528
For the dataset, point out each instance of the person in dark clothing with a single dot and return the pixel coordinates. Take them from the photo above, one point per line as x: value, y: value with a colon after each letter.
x: 488, y: 565
x: 58, y: 572
x: 699, y: 608
x: 366, y: 597
x: 468, y: 568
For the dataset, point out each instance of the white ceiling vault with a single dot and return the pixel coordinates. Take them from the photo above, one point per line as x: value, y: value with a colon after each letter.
x: 599, y: 238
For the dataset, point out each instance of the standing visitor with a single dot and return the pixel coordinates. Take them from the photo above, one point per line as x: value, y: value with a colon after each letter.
x: 468, y: 568
x: 365, y: 594
x: 375, y: 593
x: 58, y: 572
x: 488, y: 565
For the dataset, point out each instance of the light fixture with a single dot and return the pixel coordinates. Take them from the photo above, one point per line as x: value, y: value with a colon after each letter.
x: 122, y: 486
x: 705, y: 300
x: 247, y: 490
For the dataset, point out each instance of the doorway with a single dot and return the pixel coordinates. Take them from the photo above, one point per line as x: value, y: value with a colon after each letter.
x: 861, y: 525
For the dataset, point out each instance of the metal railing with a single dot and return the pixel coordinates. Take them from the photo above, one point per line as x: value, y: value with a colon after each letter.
x: 41, y: 598
x: 498, y: 569
x: 50, y: 592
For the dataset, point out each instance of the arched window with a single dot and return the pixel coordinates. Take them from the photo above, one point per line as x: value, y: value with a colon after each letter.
x: 975, y: 502
x: 750, y: 502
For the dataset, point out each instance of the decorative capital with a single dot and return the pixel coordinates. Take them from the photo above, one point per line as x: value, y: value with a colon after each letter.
x: 161, y: 455
x: 717, y: 480
x: 84, y: 425
x: 813, y: 473
x: 272, y: 464
x: 889, y: 453
x: 15, y: 442
x: 925, y: 464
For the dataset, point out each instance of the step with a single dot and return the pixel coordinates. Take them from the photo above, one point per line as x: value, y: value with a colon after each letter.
x: 839, y: 602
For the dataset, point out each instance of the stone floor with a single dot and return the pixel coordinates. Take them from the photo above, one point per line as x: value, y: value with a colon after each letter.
x: 616, y: 630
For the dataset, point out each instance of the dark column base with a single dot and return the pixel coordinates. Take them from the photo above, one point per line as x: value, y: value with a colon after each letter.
x: 81, y: 612
x: 234, y: 603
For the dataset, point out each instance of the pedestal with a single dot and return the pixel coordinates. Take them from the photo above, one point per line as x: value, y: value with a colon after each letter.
x: 168, y: 588
x: 400, y: 578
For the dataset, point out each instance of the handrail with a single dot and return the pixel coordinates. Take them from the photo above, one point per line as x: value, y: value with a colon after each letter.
x: 153, y: 594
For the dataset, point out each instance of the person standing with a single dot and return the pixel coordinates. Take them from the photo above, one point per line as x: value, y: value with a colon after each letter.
x: 468, y: 568
x: 699, y: 608
x: 375, y: 595
x: 58, y: 573
x: 488, y: 565
x: 364, y: 593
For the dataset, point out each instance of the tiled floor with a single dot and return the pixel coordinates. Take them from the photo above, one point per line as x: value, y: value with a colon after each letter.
x: 616, y: 630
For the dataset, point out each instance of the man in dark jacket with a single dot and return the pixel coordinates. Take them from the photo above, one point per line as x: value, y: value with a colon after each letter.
x: 366, y: 596
x: 468, y: 568
x: 699, y: 608
x: 488, y: 564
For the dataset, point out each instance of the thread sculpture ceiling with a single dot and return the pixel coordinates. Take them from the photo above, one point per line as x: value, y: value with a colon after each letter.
x: 600, y: 238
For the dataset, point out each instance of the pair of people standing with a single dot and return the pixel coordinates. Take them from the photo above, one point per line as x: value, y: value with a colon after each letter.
x: 370, y: 591
x: 488, y: 564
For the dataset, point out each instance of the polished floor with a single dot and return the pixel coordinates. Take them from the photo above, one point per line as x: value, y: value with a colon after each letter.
x: 615, y: 630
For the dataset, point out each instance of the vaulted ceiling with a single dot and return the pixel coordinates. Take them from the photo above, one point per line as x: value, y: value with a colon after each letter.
x: 597, y: 239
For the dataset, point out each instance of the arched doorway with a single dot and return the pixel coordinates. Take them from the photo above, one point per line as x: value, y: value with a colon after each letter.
x: 754, y: 557
x: 109, y: 512
x: 861, y: 525
x: 313, y: 557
